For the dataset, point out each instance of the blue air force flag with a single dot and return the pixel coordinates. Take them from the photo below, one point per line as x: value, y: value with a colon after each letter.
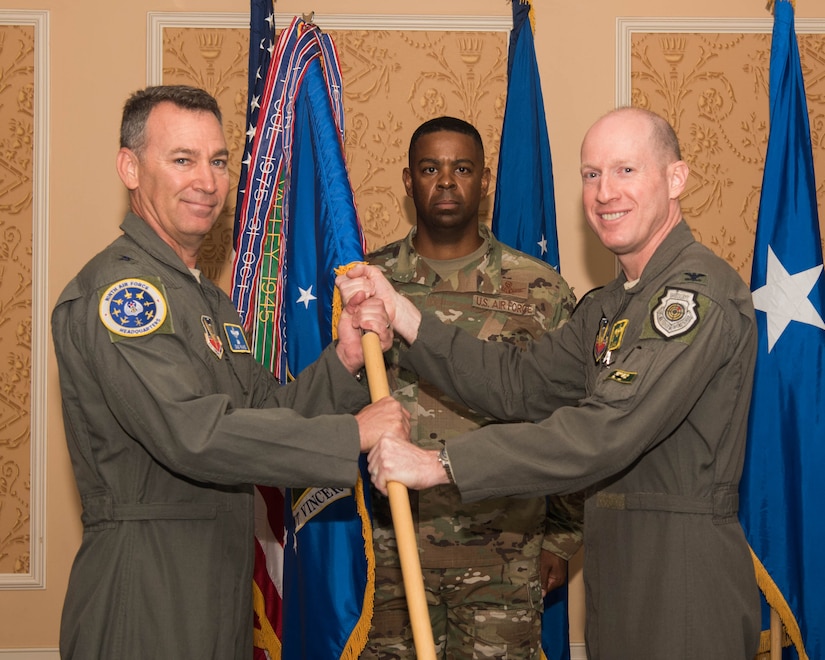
x: 782, y: 489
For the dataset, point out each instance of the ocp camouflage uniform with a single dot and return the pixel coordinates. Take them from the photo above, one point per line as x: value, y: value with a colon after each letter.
x: 480, y: 561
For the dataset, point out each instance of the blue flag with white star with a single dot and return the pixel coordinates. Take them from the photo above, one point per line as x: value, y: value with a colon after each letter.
x: 782, y: 491
x: 524, y: 217
x: 297, y: 224
x: 524, y: 208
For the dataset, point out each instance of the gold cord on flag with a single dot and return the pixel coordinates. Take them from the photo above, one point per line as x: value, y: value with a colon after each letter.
x: 337, y: 305
x: 771, y: 4
x: 531, y: 15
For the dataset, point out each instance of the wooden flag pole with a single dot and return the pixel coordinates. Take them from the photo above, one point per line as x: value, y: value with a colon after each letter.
x: 776, y: 635
x: 401, y: 517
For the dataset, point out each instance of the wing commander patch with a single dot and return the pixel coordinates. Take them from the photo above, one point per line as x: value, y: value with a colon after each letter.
x: 132, y: 308
x: 676, y: 313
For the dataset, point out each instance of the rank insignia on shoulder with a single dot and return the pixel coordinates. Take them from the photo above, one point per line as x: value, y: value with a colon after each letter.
x: 676, y: 313
x: 213, y: 341
x: 694, y: 277
x: 236, y: 338
x: 621, y: 376
x: 133, y: 308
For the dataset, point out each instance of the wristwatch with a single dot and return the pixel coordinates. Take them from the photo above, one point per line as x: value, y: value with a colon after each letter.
x: 445, y: 463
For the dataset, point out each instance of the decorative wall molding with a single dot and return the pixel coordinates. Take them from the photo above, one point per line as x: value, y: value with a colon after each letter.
x: 35, y: 579
x: 626, y: 26
x: 158, y: 21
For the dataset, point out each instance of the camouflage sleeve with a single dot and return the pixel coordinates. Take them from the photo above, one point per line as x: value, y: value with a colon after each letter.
x: 563, y: 527
x: 558, y: 301
x: 565, y: 514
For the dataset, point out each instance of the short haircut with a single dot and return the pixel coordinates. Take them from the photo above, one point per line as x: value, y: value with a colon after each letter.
x: 665, y: 136
x: 138, y: 106
x: 661, y: 132
x: 451, y: 124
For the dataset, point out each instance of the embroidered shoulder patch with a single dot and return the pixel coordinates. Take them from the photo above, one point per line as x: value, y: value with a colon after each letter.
x: 133, y: 308
x: 676, y: 314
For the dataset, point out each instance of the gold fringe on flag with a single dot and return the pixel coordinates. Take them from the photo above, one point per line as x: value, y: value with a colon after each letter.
x: 358, y: 638
x: 771, y: 4
x: 777, y: 601
x: 265, y: 638
x: 337, y: 305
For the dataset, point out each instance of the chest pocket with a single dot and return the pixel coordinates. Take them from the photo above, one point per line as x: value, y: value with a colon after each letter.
x: 635, y: 369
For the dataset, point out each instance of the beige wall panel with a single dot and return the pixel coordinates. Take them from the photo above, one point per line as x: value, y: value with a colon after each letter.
x: 16, y: 229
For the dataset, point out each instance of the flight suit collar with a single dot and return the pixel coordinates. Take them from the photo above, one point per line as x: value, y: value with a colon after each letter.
x: 675, y: 242
x: 147, y: 238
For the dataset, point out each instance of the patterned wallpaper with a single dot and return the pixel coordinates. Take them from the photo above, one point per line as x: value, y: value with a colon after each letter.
x: 714, y: 90
x: 16, y: 222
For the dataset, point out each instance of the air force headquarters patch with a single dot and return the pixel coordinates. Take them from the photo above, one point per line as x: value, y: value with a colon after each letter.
x: 676, y: 313
x: 132, y: 308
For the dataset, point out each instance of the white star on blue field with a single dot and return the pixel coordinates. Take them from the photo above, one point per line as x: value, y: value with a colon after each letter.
x: 784, y: 298
x: 306, y: 296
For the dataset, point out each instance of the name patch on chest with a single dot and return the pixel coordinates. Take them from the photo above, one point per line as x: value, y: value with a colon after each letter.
x: 503, y: 305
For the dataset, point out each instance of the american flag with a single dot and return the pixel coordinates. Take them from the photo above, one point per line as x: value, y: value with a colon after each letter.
x: 269, y: 502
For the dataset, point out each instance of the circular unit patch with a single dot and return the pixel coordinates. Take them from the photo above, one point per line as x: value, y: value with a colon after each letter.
x: 132, y: 308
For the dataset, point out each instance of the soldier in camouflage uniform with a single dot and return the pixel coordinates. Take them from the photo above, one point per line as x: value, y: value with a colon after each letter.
x: 481, y: 561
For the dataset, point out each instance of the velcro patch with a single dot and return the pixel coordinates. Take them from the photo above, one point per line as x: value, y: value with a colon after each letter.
x: 676, y: 313
x: 617, y: 334
x: 134, y: 308
x: 236, y: 338
x: 621, y: 376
